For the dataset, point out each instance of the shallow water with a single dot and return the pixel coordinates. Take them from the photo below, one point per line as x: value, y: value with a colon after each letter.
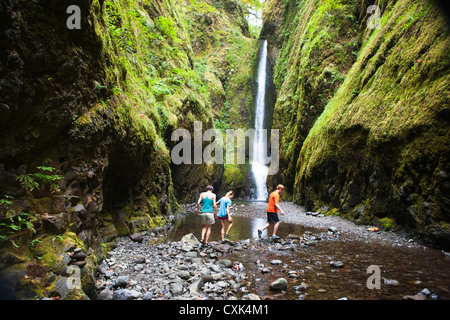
x: 413, y: 268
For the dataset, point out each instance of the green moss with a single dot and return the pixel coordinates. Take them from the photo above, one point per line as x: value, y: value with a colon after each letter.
x: 51, y: 249
x: 387, y: 223
x: 234, y: 177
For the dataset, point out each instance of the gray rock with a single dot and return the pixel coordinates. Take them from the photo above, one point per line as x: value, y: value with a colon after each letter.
x: 137, y: 237
x: 301, y: 287
x: 191, y: 254
x: 226, y: 263
x: 252, y: 296
x: 333, y: 229
x: 195, y: 287
x: 147, y: 296
x: 184, y: 274
x: 279, y: 284
x: 79, y: 256
x: 139, y: 260
x: 62, y: 286
x: 138, y: 268
x: 126, y: 294
x: 106, y: 294
x: 337, y: 264
x: 276, y: 262
x: 425, y: 292
x: 176, y: 288
x: 390, y: 282
x: 121, y: 282
x: 190, y: 239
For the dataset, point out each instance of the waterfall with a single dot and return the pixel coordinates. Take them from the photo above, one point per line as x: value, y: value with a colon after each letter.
x: 259, y: 169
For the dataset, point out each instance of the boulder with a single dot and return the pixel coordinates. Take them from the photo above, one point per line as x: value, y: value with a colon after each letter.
x: 137, y: 237
x: 279, y: 284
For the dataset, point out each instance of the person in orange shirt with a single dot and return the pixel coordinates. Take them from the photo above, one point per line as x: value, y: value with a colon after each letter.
x: 272, y: 212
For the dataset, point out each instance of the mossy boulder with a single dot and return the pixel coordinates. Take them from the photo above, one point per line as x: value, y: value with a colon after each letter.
x: 383, y: 138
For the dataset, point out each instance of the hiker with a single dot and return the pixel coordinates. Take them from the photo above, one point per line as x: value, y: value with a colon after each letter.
x: 209, y: 207
x: 272, y: 212
x: 224, y: 214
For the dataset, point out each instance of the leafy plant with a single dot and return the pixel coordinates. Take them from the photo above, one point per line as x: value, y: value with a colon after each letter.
x: 165, y: 25
x: 17, y: 221
x: 31, y: 181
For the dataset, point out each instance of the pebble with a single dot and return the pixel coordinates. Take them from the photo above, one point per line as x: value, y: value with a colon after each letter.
x: 173, y: 270
x: 337, y: 264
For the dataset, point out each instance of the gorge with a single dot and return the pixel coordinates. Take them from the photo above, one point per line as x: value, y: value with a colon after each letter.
x: 87, y: 115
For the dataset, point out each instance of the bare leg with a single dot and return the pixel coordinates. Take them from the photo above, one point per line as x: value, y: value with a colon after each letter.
x: 230, y: 225
x: 204, y: 232
x: 222, y: 231
x: 208, y: 232
x: 266, y: 226
x: 275, y: 228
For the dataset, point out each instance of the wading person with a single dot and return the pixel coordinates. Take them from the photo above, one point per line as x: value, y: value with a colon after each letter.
x: 272, y: 212
x: 224, y: 214
x: 208, y: 202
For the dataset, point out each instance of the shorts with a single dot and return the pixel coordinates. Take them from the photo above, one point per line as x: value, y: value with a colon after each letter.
x: 207, y: 217
x: 272, y: 217
x: 223, y: 218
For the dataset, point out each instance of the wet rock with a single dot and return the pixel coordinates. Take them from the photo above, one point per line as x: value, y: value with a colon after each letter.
x: 332, y: 229
x: 226, y: 263
x: 301, y: 287
x: 390, y: 282
x: 415, y: 297
x: 425, y: 292
x: 279, y: 284
x: 266, y: 270
x: 337, y: 264
x: 139, y: 260
x: 252, y: 296
x: 224, y: 248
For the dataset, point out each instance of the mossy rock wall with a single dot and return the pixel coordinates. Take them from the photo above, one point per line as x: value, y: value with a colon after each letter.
x: 99, y: 105
x: 312, y: 46
x: 377, y: 151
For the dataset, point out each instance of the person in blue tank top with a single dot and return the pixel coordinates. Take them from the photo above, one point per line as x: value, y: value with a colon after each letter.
x: 224, y: 214
x: 207, y: 200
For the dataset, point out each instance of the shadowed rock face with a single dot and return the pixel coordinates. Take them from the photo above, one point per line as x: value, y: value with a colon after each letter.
x: 364, y: 117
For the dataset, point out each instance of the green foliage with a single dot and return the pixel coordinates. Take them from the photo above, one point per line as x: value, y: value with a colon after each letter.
x: 166, y: 26
x: 233, y: 177
x: 387, y: 223
x: 31, y: 181
x: 14, y: 222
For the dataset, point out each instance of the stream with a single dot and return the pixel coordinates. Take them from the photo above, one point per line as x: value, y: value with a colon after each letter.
x: 321, y: 257
x: 406, y: 268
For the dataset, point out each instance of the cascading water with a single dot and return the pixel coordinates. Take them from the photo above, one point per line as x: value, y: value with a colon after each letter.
x: 259, y: 169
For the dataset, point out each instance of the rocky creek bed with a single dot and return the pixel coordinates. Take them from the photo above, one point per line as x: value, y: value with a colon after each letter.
x: 317, y: 257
